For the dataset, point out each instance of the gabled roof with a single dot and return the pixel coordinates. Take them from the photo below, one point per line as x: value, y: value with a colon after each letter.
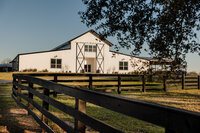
x: 90, y: 31
x: 62, y: 45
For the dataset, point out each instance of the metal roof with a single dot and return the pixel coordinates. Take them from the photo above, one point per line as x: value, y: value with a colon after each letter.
x: 6, y: 65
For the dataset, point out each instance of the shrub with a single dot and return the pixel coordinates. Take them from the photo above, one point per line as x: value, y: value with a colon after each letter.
x: 25, y: 70
x: 45, y: 70
x: 34, y: 70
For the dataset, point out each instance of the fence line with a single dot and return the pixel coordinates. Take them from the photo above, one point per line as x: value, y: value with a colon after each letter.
x: 172, y: 119
x: 142, y: 82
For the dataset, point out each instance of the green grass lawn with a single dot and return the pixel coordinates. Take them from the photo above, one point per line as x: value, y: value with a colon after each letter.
x: 125, y: 123
x: 184, y: 99
x: 6, y: 75
x: 117, y: 120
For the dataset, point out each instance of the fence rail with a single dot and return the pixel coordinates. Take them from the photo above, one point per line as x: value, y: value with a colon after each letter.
x: 121, y: 81
x: 172, y: 119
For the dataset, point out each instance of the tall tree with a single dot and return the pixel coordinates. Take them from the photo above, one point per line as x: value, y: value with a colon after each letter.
x: 6, y: 61
x: 168, y: 27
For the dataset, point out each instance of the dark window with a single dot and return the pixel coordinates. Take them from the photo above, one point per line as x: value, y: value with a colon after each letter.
x: 59, y: 63
x: 90, y: 48
x: 123, y: 65
x: 87, y: 68
x: 56, y: 63
x: 53, y: 63
x: 86, y: 48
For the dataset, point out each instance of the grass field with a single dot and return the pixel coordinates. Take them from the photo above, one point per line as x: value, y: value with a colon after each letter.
x: 117, y: 120
x: 184, y: 99
x: 6, y: 75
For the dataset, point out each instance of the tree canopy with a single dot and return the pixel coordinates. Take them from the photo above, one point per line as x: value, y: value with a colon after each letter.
x: 168, y: 27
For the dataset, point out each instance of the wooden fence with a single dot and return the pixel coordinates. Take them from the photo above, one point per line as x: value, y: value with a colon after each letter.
x: 185, y: 82
x: 123, y: 82
x: 172, y: 119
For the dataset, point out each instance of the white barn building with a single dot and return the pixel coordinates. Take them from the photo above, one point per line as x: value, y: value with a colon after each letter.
x: 85, y: 53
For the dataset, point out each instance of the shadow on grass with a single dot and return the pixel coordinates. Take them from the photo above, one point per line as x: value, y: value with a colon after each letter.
x: 122, y: 122
x: 12, y: 117
x: 185, y: 99
x: 162, y: 94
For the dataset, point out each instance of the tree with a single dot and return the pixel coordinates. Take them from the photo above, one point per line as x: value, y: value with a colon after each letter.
x: 6, y: 61
x: 168, y: 27
x: 193, y: 73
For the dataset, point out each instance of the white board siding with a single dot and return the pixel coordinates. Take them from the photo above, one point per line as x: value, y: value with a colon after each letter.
x: 112, y: 60
x: 88, y: 39
x: 42, y: 61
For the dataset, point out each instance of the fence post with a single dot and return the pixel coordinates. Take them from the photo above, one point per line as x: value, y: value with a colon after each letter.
x: 183, y: 82
x: 55, y: 80
x: 164, y: 83
x: 14, y: 86
x: 45, y: 105
x: 30, y: 95
x: 90, y: 81
x: 19, y: 90
x: 143, y: 83
x: 198, y: 82
x: 80, y: 106
x: 150, y: 78
x: 119, y: 85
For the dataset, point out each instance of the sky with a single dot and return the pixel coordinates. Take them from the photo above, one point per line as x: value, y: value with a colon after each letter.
x: 40, y: 25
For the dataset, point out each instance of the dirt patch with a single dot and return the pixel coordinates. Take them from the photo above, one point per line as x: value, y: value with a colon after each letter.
x: 14, y: 119
x: 18, y: 111
x: 17, y: 120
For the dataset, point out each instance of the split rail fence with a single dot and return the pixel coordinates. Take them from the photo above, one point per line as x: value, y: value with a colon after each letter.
x: 24, y: 89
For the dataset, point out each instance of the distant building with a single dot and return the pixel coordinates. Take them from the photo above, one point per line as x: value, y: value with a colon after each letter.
x: 86, y: 53
x: 6, y: 67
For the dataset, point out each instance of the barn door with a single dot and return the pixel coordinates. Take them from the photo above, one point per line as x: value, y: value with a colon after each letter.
x: 80, y: 57
x: 100, y: 57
